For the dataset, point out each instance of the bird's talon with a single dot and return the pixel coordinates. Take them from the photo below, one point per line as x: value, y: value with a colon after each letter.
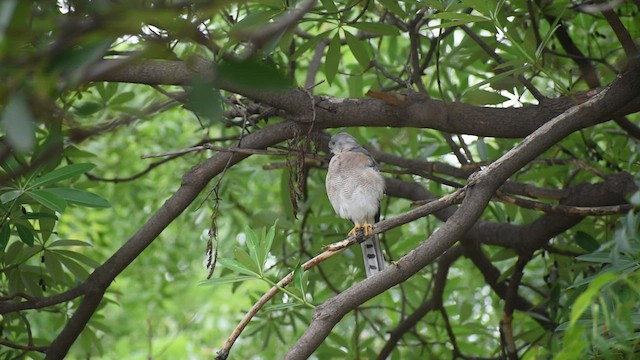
x: 367, y: 229
x: 356, y: 229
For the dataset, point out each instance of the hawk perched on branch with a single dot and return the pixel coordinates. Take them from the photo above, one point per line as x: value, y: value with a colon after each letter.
x: 355, y: 187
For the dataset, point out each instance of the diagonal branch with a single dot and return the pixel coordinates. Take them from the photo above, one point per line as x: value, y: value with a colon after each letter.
x: 332, y: 250
x: 479, y: 191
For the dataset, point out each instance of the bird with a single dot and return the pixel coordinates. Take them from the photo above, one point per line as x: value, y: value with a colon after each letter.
x: 355, y: 188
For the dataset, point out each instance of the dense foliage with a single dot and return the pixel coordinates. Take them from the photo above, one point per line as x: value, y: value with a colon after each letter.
x: 148, y: 142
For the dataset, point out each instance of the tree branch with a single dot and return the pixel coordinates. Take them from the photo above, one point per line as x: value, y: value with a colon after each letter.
x: 417, y: 110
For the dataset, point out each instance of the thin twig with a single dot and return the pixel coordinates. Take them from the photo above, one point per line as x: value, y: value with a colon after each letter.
x: 216, y: 148
x: 566, y: 209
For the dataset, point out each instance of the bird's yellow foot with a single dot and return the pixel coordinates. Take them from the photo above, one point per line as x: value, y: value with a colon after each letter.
x: 367, y: 229
x: 355, y: 230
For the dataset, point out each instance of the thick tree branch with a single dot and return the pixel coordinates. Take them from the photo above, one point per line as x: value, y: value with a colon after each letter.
x: 417, y: 110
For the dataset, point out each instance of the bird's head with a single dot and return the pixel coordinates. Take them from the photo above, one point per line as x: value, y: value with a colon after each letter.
x: 342, y: 142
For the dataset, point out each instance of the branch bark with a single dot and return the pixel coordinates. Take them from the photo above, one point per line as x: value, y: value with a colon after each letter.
x: 417, y: 110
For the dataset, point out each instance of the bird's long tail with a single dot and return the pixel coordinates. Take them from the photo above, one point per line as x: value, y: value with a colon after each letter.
x: 372, y: 254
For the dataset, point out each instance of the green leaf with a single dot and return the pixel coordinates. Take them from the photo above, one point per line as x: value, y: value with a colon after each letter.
x: 54, y: 265
x: 600, y: 258
x: 504, y: 254
x: 47, y: 220
x: 253, y: 243
x: 5, y: 233
x: 454, y: 19
x: 10, y: 195
x: 18, y: 123
x: 253, y: 21
x: 80, y: 197
x: 309, y: 44
x: 236, y: 266
x: 329, y: 6
x: 586, y: 241
x: 358, y: 49
x: 496, y: 78
x: 122, y: 98
x: 356, y: 86
x: 266, y: 244
x: 332, y: 59
x: 478, y: 5
x: 483, y: 97
x: 584, y: 300
x: 106, y: 90
x: 377, y: 28
x: 69, y: 242
x: 73, y: 60
x: 51, y: 201
x: 257, y: 74
x: 298, y: 278
x: 458, y: 16
x: 25, y: 234
x: 394, y: 7
x: 447, y: 24
x: 79, y: 257
x: 227, y: 280
x: 204, y: 99
x: 529, y: 42
x: 62, y: 173
x: 74, y: 267
x: 283, y: 306
x: 13, y: 251
x: 88, y: 108
x: 73, y: 152
x: 10, y: 163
